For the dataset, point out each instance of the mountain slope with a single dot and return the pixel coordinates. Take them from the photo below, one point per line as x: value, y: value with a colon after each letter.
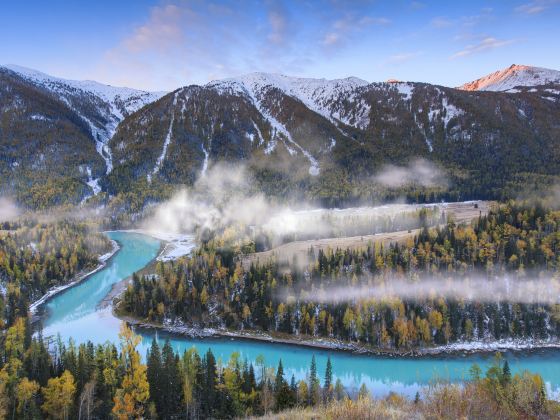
x: 95, y: 108
x: 512, y: 77
x: 323, y: 139
x: 313, y: 133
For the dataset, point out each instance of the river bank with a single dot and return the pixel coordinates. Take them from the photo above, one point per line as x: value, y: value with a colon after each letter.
x: 453, y: 349
x: 53, y: 291
x: 176, y: 245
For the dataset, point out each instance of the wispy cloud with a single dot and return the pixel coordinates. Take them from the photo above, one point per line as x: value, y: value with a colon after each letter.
x: 535, y: 7
x: 342, y: 29
x: 441, y: 22
x: 162, y: 30
x: 484, y: 14
x: 417, y: 5
x: 278, y: 22
x: 485, y: 44
x: 403, y: 57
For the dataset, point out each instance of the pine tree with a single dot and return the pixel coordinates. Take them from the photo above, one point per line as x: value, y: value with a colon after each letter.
x: 506, y: 373
x: 363, y: 392
x: 314, y: 384
x: 279, y: 377
x: 153, y: 372
x: 171, y: 383
x: 328, y: 374
x: 209, y: 381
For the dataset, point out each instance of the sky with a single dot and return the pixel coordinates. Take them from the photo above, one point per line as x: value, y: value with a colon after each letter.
x: 162, y: 45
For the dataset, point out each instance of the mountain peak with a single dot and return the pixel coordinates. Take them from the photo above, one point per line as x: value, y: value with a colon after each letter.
x: 513, y: 76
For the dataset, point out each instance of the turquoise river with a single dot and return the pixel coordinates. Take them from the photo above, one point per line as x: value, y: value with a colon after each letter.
x: 75, y: 313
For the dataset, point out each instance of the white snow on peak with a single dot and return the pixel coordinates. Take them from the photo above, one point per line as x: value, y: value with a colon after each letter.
x: 105, y: 106
x: 122, y: 98
x: 320, y: 95
x: 255, y: 86
x: 515, y: 75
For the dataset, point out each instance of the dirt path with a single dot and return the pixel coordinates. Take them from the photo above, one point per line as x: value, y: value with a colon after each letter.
x: 462, y: 212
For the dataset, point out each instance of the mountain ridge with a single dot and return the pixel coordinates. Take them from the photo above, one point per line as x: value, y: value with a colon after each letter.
x: 291, y: 131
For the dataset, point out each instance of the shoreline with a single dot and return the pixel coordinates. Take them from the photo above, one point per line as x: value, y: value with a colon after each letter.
x: 112, y: 300
x: 176, y: 245
x: 55, y: 290
x: 454, y: 349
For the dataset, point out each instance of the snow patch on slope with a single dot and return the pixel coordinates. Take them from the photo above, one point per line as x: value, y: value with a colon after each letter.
x: 167, y: 140
x: 205, y: 163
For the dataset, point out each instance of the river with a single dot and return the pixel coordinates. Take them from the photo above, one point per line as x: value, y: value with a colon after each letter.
x: 75, y: 314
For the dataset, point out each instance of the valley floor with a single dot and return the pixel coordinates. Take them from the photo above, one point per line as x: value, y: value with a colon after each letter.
x: 462, y: 212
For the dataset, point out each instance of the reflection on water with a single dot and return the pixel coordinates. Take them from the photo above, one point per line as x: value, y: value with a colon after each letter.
x: 74, y: 313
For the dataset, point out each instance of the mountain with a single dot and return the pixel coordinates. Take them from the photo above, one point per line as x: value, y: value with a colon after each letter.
x: 34, y: 105
x: 515, y: 76
x: 317, y: 138
x: 324, y: 135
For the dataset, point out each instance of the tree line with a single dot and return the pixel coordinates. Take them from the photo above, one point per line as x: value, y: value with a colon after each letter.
x: 213, y: 288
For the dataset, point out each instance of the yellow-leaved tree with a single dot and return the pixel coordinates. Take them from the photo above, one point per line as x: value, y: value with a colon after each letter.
x: 132, y: 397
x: 59, y: 396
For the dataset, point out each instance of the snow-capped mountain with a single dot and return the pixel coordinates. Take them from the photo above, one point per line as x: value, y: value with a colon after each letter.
x: 309, y: 127
x: 101, y: 107
x: 513, y: 77
x: 292, y: 132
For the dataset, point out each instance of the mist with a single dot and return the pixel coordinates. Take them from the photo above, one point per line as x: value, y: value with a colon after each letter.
x: 478, y: 289
x: 8, y: 210
x: 225, y: 196
x: 418, y: 172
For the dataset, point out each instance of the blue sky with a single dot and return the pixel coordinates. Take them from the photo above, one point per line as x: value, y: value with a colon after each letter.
x: 161, y: 45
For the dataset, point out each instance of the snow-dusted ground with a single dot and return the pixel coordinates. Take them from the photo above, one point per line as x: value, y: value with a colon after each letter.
x: 57, y: 289
x: 493, y: 345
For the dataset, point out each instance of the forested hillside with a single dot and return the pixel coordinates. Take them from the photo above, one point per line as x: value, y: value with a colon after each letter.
x: 514, y: 242
x: 35, y: 256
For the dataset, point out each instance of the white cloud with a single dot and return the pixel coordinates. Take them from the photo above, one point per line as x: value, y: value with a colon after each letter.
x: 535, y: 7
x: 278, y: 25
x: 343, y: 29
x: 8, y: 210
x: 403, y: 57
x: 486, y: 43
x: 441, y: 22
x: 163, y: 29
